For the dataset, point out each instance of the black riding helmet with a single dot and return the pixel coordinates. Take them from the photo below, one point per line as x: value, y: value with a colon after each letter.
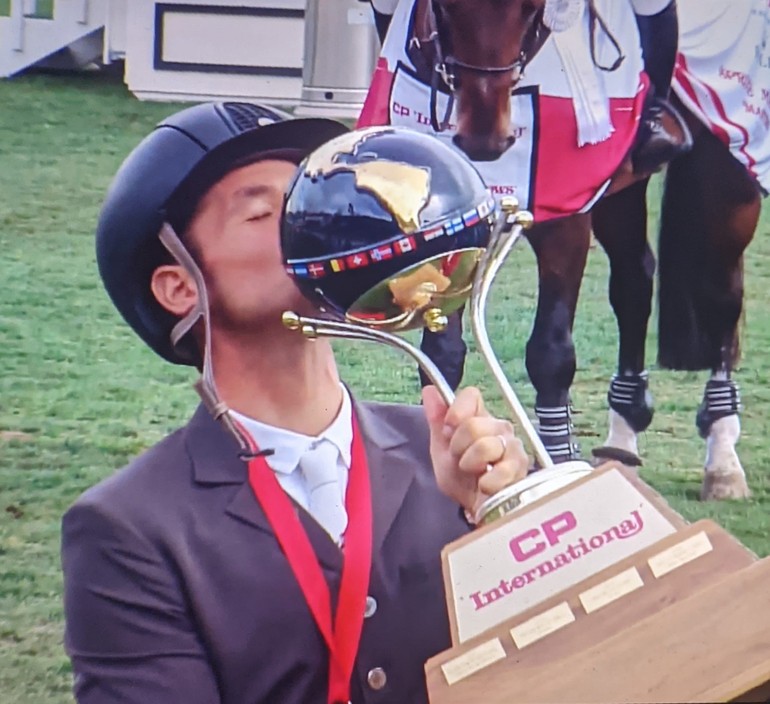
x: 164, y: 178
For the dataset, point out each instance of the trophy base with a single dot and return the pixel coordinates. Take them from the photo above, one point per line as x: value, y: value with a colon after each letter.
x: 677, y: 613
x: 533, y: 487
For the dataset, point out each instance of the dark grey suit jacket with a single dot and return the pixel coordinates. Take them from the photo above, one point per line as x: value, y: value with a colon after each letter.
x: 176, y: 591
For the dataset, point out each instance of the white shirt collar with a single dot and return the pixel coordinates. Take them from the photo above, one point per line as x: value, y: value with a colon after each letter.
x: 290, y: 446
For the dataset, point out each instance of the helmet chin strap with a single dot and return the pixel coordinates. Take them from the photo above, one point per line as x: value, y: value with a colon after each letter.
x: 205, y: 386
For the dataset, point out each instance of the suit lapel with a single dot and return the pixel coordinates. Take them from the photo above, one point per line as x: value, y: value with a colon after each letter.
x: 215, y: 460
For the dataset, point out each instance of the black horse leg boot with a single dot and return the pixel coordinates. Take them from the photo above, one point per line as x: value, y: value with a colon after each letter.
x: 662, y: 134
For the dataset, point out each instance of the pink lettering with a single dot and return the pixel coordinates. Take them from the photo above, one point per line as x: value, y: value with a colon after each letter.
x: 519, y: 553
x: 628, y: 527
x: 743, y: 79
x: 596, y: 541
x: 401, y: 110
x: 536, y: 540
x: 554, y: 527
x: 477, y: 602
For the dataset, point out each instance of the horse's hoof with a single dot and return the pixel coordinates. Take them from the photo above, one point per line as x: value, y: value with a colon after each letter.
x: 721, y: 486
x: 608, y: 453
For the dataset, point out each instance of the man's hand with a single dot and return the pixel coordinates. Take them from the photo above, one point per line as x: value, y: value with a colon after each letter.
x: 474, y: 455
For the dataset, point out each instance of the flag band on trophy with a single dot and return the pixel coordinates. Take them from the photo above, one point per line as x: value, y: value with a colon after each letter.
x: 313, y: 269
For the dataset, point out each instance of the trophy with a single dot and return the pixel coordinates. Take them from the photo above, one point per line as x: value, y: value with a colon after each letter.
x: 580, y: 583
x: 431, y: 268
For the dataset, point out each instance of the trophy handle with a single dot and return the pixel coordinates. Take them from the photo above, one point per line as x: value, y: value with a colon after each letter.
x: 510, y: 224
x: 508, y: 229
x: 319, y: 327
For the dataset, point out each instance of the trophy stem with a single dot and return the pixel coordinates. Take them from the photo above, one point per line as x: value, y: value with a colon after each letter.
x: 503, y: 239
x: 317, y: 327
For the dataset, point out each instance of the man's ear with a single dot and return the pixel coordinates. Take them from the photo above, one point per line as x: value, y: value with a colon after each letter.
x: 174, y: 288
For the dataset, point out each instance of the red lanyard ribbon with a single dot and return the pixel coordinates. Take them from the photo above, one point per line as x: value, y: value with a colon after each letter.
x: 344, y: 635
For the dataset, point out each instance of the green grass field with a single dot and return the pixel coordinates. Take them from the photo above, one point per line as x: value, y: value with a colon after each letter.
x: 80, y: 395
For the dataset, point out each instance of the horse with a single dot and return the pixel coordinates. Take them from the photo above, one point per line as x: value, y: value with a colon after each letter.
x: 475, y: 53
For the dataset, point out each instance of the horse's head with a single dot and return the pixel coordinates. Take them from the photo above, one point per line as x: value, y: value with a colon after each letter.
x: 481, y: 48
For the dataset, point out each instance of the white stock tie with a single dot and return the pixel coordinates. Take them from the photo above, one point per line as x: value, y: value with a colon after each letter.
x: 325, y: 500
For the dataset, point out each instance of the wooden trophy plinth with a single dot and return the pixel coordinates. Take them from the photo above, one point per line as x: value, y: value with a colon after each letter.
x: 600, y: 592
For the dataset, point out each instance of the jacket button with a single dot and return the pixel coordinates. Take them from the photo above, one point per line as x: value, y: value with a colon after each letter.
x: 377, y: 678
x: 371, y: 607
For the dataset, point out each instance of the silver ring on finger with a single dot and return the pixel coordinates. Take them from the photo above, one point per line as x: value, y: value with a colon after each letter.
x: 502, y: 454
x: 505, y: 445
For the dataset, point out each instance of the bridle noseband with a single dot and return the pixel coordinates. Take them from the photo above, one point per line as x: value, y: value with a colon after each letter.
x: 445, y: 65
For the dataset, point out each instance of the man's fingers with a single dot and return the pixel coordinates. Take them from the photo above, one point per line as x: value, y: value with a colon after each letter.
x: 467, y: 404
x: 435, y: 407
x: 481, y: 428
x: 484, y: 451
x: 474, y: 454
x: 511, y: 468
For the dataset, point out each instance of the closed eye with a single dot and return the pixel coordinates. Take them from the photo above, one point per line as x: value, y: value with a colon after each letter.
x: 258, y: 215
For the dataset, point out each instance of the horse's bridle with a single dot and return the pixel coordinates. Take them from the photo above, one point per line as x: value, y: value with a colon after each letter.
x: 445, y: 65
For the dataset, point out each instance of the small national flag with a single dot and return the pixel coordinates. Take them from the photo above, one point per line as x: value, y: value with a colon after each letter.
x: 365, y: 315
x: 357, y: 260
x: 429, y: 235
x: 450, y: 263
x: 454, y: 226
x: 289, y: 269
x: 485, y: 208
x: 404, y: 245
x: 471, y: 217
x: 300, y: 270
x: 378, y: 254
x: 316, y: 269
x: 337, y: 265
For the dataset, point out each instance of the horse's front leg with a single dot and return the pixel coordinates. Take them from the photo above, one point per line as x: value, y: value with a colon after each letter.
x: 620, y: 226
x: 561, y: 247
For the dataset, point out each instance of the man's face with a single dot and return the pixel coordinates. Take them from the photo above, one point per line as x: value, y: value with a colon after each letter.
x: 235, y: 234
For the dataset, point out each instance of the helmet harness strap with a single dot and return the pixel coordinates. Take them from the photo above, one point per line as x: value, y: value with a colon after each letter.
x: 205, y: 385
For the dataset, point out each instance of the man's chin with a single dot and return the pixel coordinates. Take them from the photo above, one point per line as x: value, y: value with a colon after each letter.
x: 305, y: 307
x: 274, y: 318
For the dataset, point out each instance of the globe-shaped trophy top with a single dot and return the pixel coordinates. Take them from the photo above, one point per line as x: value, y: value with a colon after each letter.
x: 384, y: 227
